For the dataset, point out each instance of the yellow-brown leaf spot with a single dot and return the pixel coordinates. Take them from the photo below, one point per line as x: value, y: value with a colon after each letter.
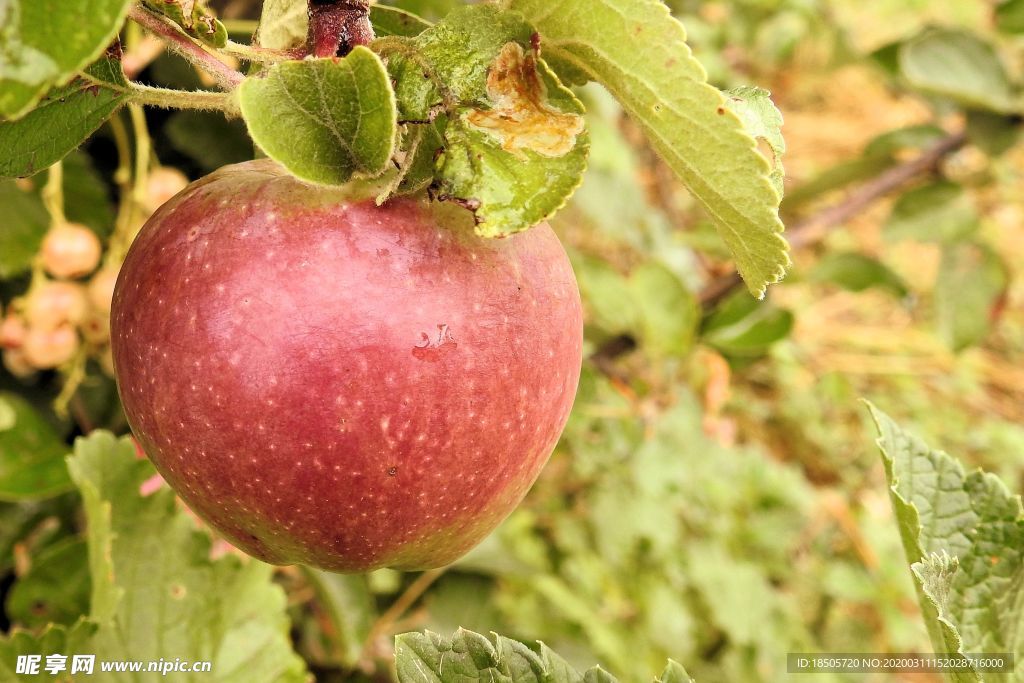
x: 520, y: 117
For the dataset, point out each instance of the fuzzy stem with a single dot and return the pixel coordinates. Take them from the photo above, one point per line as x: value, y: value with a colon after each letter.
x: 203, y: 100
x: 337, y: 26
x: 185, y: 46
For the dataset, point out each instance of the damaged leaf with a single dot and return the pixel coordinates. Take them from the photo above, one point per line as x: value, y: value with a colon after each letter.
x: 194, y: 17
x: 520, y: 118
x: 763, y: 122
x: 502, y: 136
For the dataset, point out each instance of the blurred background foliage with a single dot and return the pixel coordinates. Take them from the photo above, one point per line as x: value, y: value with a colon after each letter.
x: 716, y: 497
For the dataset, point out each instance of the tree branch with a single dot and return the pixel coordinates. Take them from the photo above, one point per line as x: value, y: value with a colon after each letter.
x: 188, y: 48
x: 815, y: 228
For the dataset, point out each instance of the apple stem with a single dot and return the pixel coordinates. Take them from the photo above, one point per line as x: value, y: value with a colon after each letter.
x: 337, y: 26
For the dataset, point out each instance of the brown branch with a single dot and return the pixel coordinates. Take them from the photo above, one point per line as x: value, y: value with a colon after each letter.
x: 815, y: 228
x: 185, y: 46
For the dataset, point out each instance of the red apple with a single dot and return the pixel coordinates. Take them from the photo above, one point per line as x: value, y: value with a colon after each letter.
x: 333, y: 383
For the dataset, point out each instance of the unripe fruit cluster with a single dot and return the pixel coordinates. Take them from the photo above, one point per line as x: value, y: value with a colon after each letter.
x: 45, y: 328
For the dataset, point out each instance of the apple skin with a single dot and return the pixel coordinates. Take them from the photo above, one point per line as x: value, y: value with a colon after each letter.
x: 332, y: 383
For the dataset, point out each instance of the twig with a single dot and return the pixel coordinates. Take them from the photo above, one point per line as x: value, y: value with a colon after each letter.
x: 814, y: 229
x: 397, y: 609
x: 185, y: 46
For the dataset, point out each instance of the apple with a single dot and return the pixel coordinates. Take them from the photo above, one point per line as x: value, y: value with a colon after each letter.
x: 334, y: 383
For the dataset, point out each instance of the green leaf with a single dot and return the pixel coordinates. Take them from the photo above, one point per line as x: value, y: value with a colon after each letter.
x: 155, y: 591
x: 638, y: 51
x: 610, y: 303
x: 194, y: 17
x: 740, y: 599
x: 669, y: 312
x: 598, y: 675
x: 743, y: 327
x: 44, y: 43
x: 432, y: 10
x: 31, y: 454
x: 972, y: 281
x: 918, y: 137
x: 391, y: 21
x: 54, y: 640
x: 25, y: 224
x: 674, y: 673
x: 420, y: 143
x: 325, y: 120
x: 959, y: 66
x: 857, y: 272
x: 62, y: 121
x: 347, y: 603
x: 963, y: 534
x: 1010, y: 16
x: 55, y: 589
x: 430, y: 658
x: 763, y: 121
x: 993, y: 133
x: 283, y: 24
x: 940, y: 212
x: 512, y: 146
x: 887, y: 58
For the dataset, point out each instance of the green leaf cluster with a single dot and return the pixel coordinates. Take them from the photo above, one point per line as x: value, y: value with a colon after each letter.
x: 155, y: 591
x: 493, y: 127
x: 667, y: 544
